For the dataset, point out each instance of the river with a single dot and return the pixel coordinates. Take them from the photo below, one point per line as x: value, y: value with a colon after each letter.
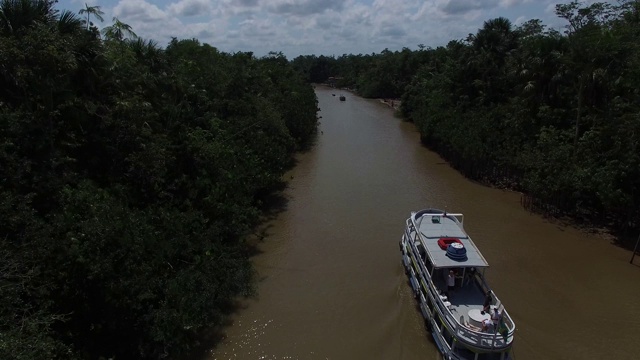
x: 331, y: 283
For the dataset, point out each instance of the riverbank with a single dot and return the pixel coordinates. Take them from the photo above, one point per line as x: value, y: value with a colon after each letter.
x: 393, y: 103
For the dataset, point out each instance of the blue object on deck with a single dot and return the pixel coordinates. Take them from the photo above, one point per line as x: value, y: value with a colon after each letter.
x: 457, y: 251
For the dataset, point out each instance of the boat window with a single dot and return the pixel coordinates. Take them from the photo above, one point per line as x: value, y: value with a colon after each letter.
x: 423, y: 256
x: 464, y: 353
x: 447, y: 336
x: 490, y: 356
x: 427, y: 264
x: 423, y: 253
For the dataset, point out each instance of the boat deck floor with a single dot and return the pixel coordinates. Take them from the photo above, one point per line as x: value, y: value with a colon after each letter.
x: 464, y: 298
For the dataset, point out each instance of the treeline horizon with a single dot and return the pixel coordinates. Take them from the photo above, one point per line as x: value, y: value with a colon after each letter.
x: 130, y: 177
x: 553, y: 114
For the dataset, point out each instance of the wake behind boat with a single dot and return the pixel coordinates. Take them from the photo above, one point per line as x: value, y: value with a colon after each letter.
x: 446, y: 272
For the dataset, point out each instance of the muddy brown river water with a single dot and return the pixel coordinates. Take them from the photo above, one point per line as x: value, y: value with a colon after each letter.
x: 331, y: 283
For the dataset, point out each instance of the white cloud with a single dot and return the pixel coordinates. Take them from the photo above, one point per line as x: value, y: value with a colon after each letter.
x: 248, y: 2
x: 190, y: 8
x: 304, y: 7
x: 83, y: 2
x: 520, y: 20
x: 510, y: 3
x: 139, y: 11
x: 257, y: 28
x: 459, y: 7
x: 317, y: 26
x: 550, y: 8
x: 149, y: 21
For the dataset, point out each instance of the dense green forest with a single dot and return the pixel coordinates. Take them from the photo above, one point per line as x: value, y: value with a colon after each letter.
x: 130, y: 175
x: 554, y: 114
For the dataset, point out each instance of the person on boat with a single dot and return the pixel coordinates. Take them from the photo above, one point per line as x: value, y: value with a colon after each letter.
x: 496, y: 316
x: 451, y: 282
x: 487, y: 302
x: 487, y: 325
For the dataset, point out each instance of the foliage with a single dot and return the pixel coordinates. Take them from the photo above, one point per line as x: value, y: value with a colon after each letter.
x: 553, y: 114
x: 383, y: 75
x: 129, y: 177
x: 91, y: 10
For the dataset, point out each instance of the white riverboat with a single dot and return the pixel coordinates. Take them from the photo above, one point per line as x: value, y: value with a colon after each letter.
x: 467, y: 321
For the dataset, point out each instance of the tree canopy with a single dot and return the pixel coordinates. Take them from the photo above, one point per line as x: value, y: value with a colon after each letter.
x: 130, y: 176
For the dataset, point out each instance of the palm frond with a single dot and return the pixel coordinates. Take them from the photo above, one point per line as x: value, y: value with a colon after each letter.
x: 17, y: 15
x: 69, y: 23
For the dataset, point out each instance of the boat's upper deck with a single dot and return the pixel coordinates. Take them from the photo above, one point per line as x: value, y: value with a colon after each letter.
x: 433, y: 225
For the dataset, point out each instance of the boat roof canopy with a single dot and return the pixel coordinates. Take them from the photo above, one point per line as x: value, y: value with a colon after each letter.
x: 446, y: 226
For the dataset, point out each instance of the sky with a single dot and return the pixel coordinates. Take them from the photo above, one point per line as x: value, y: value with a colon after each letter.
x: 318, y: 27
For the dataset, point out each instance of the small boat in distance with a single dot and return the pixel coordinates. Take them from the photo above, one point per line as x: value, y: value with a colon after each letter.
x: 446, y: 272
x: 333, y: 94
x: 342, y: 98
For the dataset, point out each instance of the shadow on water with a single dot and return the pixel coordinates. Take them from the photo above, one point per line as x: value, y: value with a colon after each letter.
x: 271, y: 201
x: 625, y: 239
x: 628, y: 240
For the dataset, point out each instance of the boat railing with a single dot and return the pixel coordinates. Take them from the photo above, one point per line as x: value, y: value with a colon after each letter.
x: 511, y: 326
x: 420, y: 264
x: 495, y: 301
x: 458, y: 216
x: 468, y: 335
x: 482, y: 283
x: 475, y: 338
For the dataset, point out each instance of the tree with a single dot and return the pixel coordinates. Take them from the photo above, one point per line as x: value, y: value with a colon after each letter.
x: 68, y: 22
x: 92, y: 10
x: 118, y: 31
x: 131, y: 176
x: 585, y: 29
x: 17, y: 15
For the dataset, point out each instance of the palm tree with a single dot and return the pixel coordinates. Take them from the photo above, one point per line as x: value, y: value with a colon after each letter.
x: 69, y: 23
x: 118, y: 30
x: 497, y: 38
x: 492, y: 46
x: 92, y: 10
x: 149, y: 53
x: 540, y: 64
x: 16, y: 15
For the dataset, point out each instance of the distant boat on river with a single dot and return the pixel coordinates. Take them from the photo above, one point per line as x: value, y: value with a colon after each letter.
x: 342, y: 98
